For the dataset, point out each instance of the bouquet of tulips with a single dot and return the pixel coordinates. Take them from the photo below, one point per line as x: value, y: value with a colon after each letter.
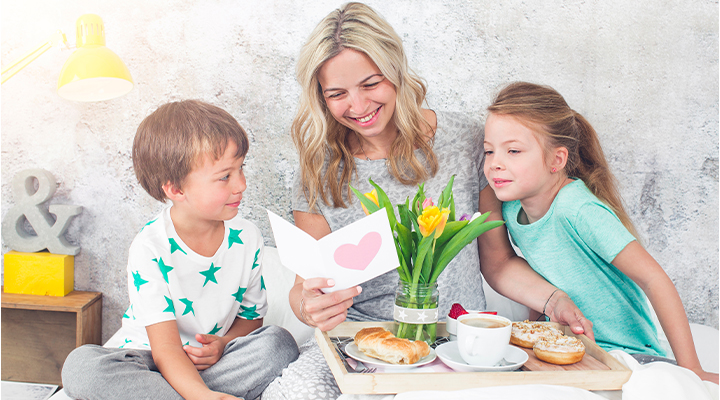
x: 427, y: 237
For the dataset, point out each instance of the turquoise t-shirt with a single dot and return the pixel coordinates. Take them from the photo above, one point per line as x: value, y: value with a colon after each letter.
x: 572, y: 246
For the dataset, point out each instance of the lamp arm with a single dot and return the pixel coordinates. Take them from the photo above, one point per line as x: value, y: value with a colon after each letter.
x: 15, y: 67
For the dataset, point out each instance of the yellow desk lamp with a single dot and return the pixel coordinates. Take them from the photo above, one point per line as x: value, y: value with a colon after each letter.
x: 92, y: 73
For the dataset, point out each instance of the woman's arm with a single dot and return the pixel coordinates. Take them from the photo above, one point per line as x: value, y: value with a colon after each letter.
x: 512, y: 277
x: 174, y: 364
x: 635, y: 262
x: 308, y: 302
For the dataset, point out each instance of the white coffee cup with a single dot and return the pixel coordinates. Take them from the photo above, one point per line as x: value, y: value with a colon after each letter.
x: 482, y: 338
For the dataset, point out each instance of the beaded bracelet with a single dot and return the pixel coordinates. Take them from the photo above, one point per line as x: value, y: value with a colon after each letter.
x: 302, y: 311
x: 548, y: 300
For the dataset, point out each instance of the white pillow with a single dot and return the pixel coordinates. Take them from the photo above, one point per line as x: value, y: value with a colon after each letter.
x: 278, y: 282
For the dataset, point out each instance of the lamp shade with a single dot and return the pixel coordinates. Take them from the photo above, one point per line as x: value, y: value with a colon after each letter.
x: 93, y: 72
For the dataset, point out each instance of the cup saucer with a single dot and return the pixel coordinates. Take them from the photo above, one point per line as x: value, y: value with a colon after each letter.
x: 449, y: 354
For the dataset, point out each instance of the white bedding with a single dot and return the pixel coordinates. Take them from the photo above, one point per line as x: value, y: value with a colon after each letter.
x: 662, y: 381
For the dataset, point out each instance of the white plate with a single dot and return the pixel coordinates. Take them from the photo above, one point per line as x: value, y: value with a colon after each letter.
x: 449, y: 354
x: 352, y: 350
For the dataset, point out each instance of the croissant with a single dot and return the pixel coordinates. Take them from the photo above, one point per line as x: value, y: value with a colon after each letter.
x: 382, y: 344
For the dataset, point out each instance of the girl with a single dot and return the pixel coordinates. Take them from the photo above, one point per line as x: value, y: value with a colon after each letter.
x: 564, y: 212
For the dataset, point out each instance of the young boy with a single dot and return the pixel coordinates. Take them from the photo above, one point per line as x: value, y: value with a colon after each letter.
x: 197, y: 298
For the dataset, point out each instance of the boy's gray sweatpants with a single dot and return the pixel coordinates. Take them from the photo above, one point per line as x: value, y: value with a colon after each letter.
x: 246, y: 368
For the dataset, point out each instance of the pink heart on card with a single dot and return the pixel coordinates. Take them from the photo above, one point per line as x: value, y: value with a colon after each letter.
x: 359, y: 257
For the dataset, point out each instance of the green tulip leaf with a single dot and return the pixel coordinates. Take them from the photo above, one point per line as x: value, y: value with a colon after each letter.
x: 405, y: 216
x: 384, y: 201
x: 451, y: 217
x: 462, y: 239
x: 427, y: 265
x: 404, y: 237
x: 451, y: 228
x: 422, y: 250
x: 418, y: 200
x: 369, y: 204
x: 444, y: 200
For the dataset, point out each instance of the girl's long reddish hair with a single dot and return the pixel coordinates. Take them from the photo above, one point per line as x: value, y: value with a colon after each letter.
x: 544, y: 110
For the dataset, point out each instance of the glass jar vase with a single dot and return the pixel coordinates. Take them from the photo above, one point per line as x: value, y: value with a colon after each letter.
x: 416, y: 311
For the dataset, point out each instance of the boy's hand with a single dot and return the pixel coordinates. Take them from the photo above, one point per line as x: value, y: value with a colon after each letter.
x: 206, y: 356
x: 223, y: 396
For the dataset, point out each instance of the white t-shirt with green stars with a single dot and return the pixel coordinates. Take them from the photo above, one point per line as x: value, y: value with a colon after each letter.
x: 168, y: 281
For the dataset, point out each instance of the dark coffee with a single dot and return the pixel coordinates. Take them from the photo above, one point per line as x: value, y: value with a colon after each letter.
x: 484, y: 323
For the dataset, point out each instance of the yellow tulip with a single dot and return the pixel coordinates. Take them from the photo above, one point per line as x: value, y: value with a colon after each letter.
x: 433, y: 219
x: 373, y: 197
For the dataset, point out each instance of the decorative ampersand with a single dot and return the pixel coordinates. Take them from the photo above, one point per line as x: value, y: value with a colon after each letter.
x: 50, y: 233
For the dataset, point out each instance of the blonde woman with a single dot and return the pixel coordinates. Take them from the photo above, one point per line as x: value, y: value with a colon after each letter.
x: 360, y: 116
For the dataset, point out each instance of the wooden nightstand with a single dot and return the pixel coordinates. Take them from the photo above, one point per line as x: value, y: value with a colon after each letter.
x: 38, y: 332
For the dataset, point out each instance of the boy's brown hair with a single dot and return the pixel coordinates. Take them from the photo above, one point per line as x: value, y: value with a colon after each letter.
x: 173, y: 140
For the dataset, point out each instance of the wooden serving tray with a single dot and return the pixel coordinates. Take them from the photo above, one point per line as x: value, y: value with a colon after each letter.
x: 597, y: 371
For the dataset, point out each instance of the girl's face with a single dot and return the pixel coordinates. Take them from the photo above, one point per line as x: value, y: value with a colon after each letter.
x: 357, y: 94
x: 515, y: 164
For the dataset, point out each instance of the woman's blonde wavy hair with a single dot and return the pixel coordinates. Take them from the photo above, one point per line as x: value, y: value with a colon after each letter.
x: 316, y: 133
x: 545, y: 112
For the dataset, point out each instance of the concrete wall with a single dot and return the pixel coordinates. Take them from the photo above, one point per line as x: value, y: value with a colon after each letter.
x: 644, y: 73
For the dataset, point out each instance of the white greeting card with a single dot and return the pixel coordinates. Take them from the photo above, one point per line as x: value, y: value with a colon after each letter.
x: 351, y: 255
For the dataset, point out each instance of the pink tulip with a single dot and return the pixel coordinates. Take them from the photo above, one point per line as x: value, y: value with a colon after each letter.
x: 427, y: 203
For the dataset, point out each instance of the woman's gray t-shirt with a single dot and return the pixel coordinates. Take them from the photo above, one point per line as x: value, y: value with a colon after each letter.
x: 458, y: 145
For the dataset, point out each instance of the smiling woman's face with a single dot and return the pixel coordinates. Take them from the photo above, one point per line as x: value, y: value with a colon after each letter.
x: 357, y: 94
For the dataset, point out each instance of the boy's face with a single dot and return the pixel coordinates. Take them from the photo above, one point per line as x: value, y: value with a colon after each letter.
x: 214, y: 188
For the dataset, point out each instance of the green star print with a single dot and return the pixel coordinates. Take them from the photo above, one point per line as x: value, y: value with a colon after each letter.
x: 249, y: 312
x: 255, y: 262
x: 234, y: 237
x: 174, y: 247
x: 262, y: 283
x: 239, y: 294
x: 148, y: 224
x: 188, y: 306
x: 163, y: 268
x: 130, y: 310
x: 137, y: 280
x: 210, y: 274
x: 171, y: 306
x: 215, y: 330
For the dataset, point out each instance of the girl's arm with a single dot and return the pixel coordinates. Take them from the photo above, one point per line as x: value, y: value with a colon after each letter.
x: 512, y: 277
x: 213, y: 346
x: 635, y: 262
x: 174, y: 364
x: 308, y: 302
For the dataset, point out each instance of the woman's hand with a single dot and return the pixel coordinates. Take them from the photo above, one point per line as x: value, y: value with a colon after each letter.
x: 310, y: 304
x: 325, y: 310
x: 562, y: 309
